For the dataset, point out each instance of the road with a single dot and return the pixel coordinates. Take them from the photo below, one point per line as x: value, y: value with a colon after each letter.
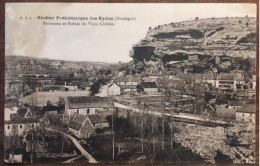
x: 77, y: 144
x: 181, y: 116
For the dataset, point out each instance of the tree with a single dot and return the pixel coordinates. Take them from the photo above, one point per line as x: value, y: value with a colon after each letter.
x: 17, y: 90
x: 139, y: 89
x: 94, y: 89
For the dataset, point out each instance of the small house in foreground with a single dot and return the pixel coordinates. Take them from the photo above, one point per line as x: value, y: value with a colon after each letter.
x: 81, y: 126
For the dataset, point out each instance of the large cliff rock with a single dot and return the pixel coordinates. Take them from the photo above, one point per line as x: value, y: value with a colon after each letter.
x: 234, y: 37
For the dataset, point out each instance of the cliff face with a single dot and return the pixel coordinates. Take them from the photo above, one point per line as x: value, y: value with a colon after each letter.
x: 234, y: 37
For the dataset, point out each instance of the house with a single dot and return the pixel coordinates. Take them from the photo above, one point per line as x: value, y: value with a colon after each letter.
x: 246, y: 113
x: 88, y: 105
x: 209, y: 79
x: 50, y: 117
x: 50, y: 88
x: 253, y: 82
x: 235, y: 104
x: 19, y: 126
x: 68, y: 88
x: 239, y: 81
x: 127, y: 80
x: 226, y: 82
x: 103, y: 91
x: 9, y: 112
x: 149, y: 87
x: 81, y: 126
x: 97, y: 121
x: 154, y: 74
x: 114, y: 89
x: 193, y: 59
x: 128, y: 89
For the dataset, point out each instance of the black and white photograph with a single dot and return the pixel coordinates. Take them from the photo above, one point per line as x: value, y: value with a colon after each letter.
x: 131, y: 83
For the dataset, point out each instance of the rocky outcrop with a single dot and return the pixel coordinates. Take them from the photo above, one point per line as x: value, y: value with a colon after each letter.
x: 236, y: 143
x: 234, y: 36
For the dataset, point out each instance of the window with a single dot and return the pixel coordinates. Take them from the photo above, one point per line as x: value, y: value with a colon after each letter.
x: 88, y: 111
x: 8, y: 127
x: 77, y: 111
x: 250, y: 115
x: 32, y: 125
x: 21, y: 126
x: 243, y: 115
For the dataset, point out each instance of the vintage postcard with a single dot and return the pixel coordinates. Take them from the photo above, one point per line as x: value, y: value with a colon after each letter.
x: 130, y: 83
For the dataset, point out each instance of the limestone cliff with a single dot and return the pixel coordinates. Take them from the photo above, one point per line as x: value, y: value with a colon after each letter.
x: 230, y: 36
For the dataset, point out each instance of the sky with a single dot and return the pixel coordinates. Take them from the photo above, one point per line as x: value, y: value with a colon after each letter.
x: 29, y: 37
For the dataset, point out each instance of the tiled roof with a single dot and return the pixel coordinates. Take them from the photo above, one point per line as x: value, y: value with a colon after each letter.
x: 77, y: 121
x: 127, y: 79
x: 128, y: 86
x: 226, y: 76
x: 95, y: 119
x: 53, y: 87
x: 51, y: 113
x: 247, y: 108
x: 236, y: 103
x: 113, y: 84
x: 90, y: 102
x: 149, y: 84
x: 19, y: 120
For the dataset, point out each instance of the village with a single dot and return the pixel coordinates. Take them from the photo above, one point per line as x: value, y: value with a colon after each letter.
x: 72, y: 113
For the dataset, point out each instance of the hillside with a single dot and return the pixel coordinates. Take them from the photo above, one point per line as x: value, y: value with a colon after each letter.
x: 28, y: 65
x: 233, y: 37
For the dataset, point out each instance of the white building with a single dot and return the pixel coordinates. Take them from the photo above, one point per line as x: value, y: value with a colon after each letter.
x: 113, y: 89
x: 246, y: 113
x: 89, y: 105
x: 19, y: 126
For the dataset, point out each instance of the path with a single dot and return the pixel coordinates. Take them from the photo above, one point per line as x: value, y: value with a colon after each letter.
x: 77, y: 144
x: 71, y: 160
x: 180, y: 117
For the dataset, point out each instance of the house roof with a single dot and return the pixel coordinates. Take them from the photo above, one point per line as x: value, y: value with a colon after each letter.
x: 52, y: 87
x: 128, y: 86
x: 95, y: 119
x: 113, y: 84
x: 40, y: 99
x: 236, y: 103
x: 18, y: 120
x: 77, y: 121
x: 247, y: 108
x: 127, y: 79
x: 51, y: 113
x: 149, y: 84
x: 193, y: 58
x: 74, y: 83
x: 90, y: 102
x: 226, y: 76
x: 208, y: 76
